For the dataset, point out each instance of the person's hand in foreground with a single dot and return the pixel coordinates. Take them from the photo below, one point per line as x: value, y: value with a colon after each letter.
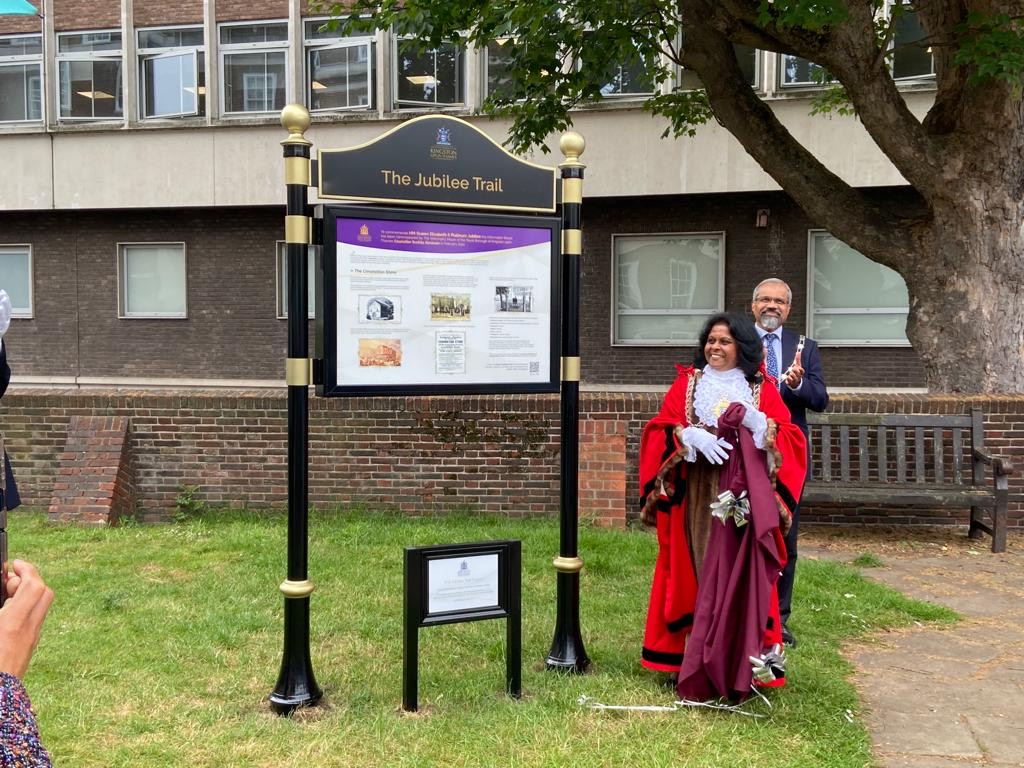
x: 21, y: 618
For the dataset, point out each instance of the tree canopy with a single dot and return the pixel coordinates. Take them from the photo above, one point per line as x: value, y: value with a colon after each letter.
x: 961, y: 254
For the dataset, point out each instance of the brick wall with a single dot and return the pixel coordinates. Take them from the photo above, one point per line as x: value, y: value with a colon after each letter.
x: 69, y: 15
x: 427, y: 455
x: 162, y: 13
x: 232, y: 331
x: 245, y: 10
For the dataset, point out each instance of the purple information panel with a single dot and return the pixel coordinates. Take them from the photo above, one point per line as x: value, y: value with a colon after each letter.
x: 466, y: 303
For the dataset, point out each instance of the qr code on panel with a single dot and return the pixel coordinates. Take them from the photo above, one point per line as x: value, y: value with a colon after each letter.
x: 535, y: 367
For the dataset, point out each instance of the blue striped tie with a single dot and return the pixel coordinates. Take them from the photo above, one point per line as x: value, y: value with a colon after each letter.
x: 773, y: 359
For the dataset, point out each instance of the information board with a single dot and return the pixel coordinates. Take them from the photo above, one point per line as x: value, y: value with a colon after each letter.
x: 424, y: 302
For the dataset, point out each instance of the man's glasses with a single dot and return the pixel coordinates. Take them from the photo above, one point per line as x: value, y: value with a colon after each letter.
x: 764, y: 300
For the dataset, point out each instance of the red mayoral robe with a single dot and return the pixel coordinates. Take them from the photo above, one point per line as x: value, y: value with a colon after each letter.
x: 667, y: 481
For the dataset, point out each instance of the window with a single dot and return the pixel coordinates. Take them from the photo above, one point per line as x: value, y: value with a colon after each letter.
x: 151, y: 280
x: 89, y: 71
x: 795, y: 71
x: 172, y: 76
x: 254, y: 67
x: 630, y: 77
x: 282, y: 280
x: 429, y: 76
x: 16, y: 277
x: 21, y: 62
x: 496, y: 64
x: 854, y: 301
x: 749, y: 62
x: 665, y: 286
x: 339, y: 70
x: 911, y: 58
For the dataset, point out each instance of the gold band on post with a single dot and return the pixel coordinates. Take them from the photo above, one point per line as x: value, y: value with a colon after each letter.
x: 567, y: 564
x: 572, y: 242
x: 296, y: 170
x: 572, y: 190
x: 296, y: 589
x: 298, y: 371
x: 296, y: 229
x: 570, y: 369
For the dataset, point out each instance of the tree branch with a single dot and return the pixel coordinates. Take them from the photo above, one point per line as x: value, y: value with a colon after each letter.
x: 847, y: 212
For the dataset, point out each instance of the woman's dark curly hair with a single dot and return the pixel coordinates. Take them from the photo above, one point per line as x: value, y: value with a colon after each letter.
x: 749, y: 347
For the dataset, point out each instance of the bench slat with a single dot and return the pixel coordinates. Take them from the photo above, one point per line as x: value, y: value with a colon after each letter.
x: 862, y: 452
x: 826, y: 452
x: 883, y: 461
x: 844, y: 453
x: 937, y: 448
x: 919, y: 454
x: 958, y: 456
x: 913, y: 494
x: 901, y: 454
x: 889, y: 419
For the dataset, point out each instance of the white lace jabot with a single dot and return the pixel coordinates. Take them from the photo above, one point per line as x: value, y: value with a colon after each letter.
x: 716, y: 389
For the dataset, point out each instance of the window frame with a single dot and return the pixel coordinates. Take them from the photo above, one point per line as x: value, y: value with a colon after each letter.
x: 905, y: 79
x: 27, y: 60
x: 225, y: 50
x: 122, y: 287
x: 281, y: 277
x: 625, y: 95
x: 311, y: 44
x: 145, y: 54
x: 758, y: 85
x: 461, y: 68
x: 93, y: 58
x: 702, y: 312
x: 813, y: 312
x: 26, y: 248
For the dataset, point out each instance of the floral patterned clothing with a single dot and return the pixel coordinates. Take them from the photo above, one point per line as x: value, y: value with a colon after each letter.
x: 19, y: 735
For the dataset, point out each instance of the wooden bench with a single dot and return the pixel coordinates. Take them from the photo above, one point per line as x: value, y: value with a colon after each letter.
x: 917, y: 460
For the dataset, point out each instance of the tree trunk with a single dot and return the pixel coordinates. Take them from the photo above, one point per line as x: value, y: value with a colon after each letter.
x: 967, y: 292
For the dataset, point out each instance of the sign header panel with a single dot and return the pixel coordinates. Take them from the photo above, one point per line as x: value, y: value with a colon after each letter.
x: 436, y: 160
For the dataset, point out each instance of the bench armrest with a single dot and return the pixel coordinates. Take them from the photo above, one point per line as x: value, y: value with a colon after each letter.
x: 999, y: 465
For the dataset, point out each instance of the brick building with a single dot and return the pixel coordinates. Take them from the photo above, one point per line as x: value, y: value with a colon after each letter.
x: 141, y: 218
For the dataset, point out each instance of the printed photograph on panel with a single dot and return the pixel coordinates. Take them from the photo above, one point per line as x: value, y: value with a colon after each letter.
x: 380, y: 353
x: 380, y: 309
x: 513, y: 298
x: 449, y: 306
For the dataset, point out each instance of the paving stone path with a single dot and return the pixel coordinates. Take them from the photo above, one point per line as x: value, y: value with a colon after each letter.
x: 941, y: 697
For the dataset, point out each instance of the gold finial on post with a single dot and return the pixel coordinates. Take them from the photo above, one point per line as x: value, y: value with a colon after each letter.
x: 572, y: 145
x: 295, y: 120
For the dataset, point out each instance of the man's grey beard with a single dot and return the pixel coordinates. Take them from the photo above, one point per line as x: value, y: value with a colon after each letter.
x: 770, y: 322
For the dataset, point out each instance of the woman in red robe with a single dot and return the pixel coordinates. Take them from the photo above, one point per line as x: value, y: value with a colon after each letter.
x: 681, y: 458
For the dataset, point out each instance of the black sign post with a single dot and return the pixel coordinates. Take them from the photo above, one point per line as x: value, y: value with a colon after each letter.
x: 462, y: 582
x: 296, y: 685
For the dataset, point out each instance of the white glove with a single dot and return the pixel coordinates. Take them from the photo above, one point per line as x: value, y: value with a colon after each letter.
x: 5, y: 312
x: 715, y: 449
x: 754, y: 420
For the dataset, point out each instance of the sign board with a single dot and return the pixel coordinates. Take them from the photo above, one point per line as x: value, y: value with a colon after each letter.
x: 429, y: 302
x: 436, y: 160
x: 453, y: 583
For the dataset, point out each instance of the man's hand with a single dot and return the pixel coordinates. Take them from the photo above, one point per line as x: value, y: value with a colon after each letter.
x: 795, y: 373
x: 21, y: 618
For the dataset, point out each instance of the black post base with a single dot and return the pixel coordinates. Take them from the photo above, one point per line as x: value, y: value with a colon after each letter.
x: 296, y: 686
x: 567, y: 652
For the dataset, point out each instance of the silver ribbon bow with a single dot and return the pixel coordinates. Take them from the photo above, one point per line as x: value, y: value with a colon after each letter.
x: 729, y: 506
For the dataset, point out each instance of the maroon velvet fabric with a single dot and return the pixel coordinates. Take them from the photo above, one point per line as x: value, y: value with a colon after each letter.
x: 740, y: 569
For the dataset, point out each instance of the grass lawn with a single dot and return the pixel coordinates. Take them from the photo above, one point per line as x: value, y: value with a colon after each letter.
x: 165, y: 641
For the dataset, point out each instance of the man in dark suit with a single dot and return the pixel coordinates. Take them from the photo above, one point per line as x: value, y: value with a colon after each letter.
x: 797, y: 369
x: 11, y: 499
